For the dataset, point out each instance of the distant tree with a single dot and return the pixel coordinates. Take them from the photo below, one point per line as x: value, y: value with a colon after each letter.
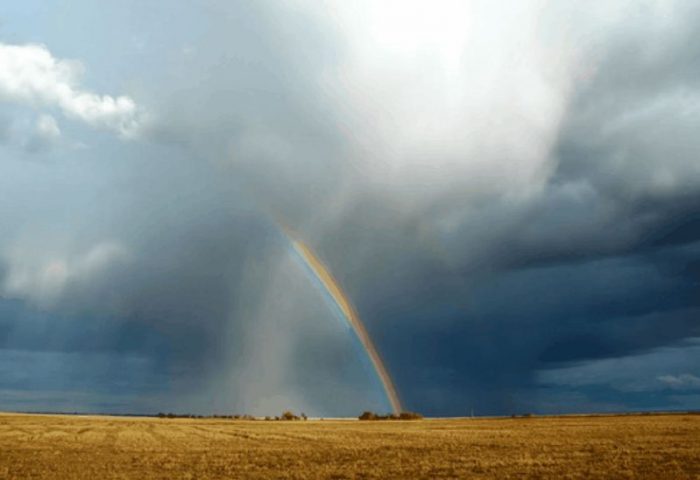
x: 288, y: 415
x: 392, y: 416
x: 368, y: 416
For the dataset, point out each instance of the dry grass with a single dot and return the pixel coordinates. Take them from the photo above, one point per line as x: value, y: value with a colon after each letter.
x: 43, y: 446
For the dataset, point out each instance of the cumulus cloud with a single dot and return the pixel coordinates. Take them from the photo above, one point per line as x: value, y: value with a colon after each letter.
x: 45, y: 280
x: 31, y: 75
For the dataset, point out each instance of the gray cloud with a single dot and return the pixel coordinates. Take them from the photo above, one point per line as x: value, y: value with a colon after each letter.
x: 46, y: 134
x: 682, y: 381
x: 512, y: 198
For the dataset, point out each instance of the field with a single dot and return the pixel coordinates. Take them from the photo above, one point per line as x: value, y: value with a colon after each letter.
x: 643, y: 446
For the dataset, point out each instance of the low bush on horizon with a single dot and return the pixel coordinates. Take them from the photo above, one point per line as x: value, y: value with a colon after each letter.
x: 289, y: 415
x: 286, y: 415
x: 392, y: 416
x: 191, y: 415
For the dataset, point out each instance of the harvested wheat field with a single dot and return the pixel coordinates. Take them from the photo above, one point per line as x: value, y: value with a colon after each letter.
x: 90, y: 447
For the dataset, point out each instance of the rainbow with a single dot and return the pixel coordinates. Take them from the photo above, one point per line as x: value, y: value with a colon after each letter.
x: 349, y: 314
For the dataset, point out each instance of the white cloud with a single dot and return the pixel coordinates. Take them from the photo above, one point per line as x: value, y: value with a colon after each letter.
x: 461, y: 95
x: 30, y: 75
x: 44, y: 280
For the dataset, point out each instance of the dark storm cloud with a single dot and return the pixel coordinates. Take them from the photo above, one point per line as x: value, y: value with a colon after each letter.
x: 168, y: 238
x: 475, y: 271
x: 599, y: 265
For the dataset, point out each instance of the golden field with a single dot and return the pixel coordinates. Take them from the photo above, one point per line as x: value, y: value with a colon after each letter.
x: 93, y: 447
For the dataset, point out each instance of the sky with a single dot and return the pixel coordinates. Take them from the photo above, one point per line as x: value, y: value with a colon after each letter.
x: 509, y: 194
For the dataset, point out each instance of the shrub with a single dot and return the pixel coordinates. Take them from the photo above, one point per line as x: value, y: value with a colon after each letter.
x: 368, y: 416
x: 392, y: 416
x: 410, y: 416
x: 288, y: 415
